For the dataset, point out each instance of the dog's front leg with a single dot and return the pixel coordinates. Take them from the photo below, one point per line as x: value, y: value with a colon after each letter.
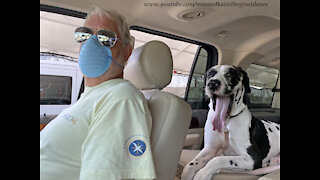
x: 197, y: 163
x: 235, y: 163
x: 215, y: 143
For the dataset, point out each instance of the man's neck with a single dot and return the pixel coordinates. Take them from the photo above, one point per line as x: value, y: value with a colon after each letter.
x: 91, y: 82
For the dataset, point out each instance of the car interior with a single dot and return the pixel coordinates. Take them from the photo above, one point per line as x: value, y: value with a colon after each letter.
x: 180, y: 41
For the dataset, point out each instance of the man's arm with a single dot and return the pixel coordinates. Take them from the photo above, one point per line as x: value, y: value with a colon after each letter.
x: 118, y: 142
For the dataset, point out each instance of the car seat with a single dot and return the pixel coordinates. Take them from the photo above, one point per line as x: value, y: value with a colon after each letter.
x: 149, y: 68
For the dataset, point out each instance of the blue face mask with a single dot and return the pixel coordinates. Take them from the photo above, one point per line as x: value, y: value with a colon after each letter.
x: 94, y: 58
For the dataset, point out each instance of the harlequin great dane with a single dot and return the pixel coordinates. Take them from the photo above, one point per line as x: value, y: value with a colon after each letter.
x: 248, y: 144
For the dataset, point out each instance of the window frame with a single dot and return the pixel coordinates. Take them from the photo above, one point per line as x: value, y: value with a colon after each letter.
x: 212, y: 59
x: 63, y: 11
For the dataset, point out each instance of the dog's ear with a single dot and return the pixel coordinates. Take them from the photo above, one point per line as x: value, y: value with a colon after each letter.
x: 245, y: 79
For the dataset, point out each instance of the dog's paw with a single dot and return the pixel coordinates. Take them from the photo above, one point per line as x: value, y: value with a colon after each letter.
x: 187, y: 173
x: 203, y: 174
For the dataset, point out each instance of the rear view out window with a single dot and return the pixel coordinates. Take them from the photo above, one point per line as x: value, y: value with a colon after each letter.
x: 262, y: 80
x: 55, y: 90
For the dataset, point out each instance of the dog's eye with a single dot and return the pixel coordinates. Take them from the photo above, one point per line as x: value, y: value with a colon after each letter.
x: 228, y: 74
x: 211, y: 73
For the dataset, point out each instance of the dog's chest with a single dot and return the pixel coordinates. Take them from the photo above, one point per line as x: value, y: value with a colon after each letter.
x: 239, y: 136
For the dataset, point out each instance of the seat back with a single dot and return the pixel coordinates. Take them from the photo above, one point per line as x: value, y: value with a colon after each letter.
x: 150, y: 70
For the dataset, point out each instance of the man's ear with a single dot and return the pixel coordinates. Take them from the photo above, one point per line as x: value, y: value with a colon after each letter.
x: 127, y: 52
x: 245, y: 79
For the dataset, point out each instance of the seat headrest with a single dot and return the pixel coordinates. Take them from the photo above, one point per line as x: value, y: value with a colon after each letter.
x: 150, y: 66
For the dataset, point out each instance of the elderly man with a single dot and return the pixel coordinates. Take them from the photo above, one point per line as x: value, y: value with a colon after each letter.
x: 106, y: 133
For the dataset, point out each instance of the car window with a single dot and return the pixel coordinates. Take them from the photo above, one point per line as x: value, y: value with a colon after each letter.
x: 183, y: 54
x: 51, y: 37
x: 262, y: 80
x: 196, y: 92
x: 55, y: 90
x: 54, y: 43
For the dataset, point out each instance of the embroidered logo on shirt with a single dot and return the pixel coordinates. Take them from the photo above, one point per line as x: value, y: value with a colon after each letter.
x: 136, y: 145
x: 137, y: 148
x: 70, y: 118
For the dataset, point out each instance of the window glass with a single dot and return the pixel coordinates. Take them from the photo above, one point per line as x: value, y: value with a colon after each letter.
x: 196, y: 92
x: 56, y: 34
x: 183, y: 54
x: 55, y: 90
x: 262, y: 80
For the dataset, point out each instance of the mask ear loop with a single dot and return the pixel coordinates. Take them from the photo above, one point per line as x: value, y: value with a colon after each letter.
x: 120, y: 65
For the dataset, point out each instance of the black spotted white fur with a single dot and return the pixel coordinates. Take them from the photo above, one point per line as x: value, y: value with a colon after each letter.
x: 240, y: 142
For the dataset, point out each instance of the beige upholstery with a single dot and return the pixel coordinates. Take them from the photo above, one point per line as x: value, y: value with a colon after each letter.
x: 150, y: 66
x: 272, y: 176
x: 150, y: 69
x: 194, y: 139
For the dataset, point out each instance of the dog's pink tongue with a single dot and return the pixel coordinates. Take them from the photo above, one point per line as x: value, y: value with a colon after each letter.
x: 220, y: 114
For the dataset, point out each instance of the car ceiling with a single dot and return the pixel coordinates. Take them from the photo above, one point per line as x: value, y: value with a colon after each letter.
x: 242, y: 35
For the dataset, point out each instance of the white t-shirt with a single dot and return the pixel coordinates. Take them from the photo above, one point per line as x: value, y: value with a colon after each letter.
x: 104, y: 135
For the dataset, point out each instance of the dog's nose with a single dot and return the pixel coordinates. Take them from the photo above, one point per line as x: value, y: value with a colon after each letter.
x: 214, y: 84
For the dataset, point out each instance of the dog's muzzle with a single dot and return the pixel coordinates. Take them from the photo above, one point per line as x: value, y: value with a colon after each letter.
x: 223, y: 103
x: 214, y: 85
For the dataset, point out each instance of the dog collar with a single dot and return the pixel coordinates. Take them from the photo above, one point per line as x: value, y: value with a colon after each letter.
x: 237, y: 114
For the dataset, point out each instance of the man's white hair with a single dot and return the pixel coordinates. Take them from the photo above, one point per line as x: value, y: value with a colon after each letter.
x: 117, y: 18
